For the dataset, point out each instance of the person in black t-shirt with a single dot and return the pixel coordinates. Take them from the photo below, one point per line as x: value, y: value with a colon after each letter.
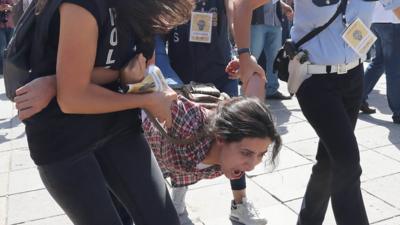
x: 88, y: 140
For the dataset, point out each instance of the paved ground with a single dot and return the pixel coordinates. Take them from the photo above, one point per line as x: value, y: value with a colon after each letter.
x: 277, y: 194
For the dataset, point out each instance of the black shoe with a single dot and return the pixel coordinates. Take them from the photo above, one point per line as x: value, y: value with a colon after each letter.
x: 396, y: 119
x: 366, y: 109
x: 278, y: 96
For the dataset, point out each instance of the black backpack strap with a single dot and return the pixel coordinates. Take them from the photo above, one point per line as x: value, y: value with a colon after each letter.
x: 341, y: 9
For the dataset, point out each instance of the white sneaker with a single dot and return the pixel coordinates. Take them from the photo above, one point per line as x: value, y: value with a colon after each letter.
x: 246, y: 214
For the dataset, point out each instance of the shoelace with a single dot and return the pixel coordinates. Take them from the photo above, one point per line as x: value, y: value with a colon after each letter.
x: 252, y: 211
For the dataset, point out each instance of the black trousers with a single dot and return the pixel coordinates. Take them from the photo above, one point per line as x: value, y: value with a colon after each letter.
x: 126, y: 167
x: 330, y: 102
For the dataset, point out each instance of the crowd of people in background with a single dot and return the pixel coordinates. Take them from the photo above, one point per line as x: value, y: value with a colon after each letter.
x: 104, y: 161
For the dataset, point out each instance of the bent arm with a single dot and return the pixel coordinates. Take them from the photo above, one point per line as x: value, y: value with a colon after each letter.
x: 256, y: 87
x: 75, y: 61
x: 242, y: 20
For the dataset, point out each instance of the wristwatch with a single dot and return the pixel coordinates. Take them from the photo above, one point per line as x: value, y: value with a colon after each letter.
x: 243, y: 50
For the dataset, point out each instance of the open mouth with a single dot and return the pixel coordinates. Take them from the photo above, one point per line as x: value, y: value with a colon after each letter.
x: 236, y: 174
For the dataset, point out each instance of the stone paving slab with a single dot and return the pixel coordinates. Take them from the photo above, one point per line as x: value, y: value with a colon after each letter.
x: 31, y: 206
x: 217, y: 201
x: 378, y: 136
x: 3, y: 210
x: 3, y: 184
x: 385, y: 188
x: 298, y: 131
x: 5, y: 159
x: 287, y: 159
x: 58, y: 220
x: 20, y: 159
x: 375, y: 165
x: 287, y: 184
x: 391, y: 151
x: 24, y: 181
x: 392, y: 221
x: 276, y: 214
x: 377, y: 209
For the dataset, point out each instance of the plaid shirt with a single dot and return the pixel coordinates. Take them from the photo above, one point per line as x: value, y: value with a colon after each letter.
x: 179, y: 161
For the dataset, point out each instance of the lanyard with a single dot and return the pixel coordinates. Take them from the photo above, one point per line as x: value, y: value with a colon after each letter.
x: 344, y: 7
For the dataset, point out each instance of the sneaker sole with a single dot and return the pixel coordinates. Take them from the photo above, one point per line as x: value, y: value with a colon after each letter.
x: 235, y: 219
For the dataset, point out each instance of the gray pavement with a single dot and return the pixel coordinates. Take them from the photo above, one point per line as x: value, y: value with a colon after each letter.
x: 277, y: 194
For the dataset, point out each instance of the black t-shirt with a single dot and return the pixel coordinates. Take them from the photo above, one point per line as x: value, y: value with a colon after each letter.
x: 53, y: 135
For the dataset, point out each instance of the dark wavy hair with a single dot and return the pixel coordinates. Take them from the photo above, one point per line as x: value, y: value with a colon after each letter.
x: 150, y: 17
x: 147, y: 17
x: 241, y: 117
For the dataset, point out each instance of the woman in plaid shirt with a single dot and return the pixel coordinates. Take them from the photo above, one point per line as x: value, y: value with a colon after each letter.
x: 232, y: 139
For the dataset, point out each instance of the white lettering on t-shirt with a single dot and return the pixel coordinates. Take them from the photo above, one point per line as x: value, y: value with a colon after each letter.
x: 176, y: 37
x: 109, y: 57
x: 113, y: 37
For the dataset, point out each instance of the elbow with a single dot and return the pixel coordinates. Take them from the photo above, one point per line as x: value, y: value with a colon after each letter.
x: 66, y: 102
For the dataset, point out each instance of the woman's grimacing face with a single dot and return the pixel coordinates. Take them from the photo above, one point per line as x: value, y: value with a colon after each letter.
x: 238, y: 157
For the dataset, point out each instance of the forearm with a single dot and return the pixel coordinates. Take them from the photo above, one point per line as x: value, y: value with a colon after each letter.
x: 255, y: 87
x: 229, y: 12
x: 102, y: 75
x: 242, y: 14
x: 94, y: 99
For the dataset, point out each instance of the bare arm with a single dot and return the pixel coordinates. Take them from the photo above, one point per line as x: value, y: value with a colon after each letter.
x: 242, y: 20
x: 229, y: 13
x: 75, y: 61
x: 256, y: 83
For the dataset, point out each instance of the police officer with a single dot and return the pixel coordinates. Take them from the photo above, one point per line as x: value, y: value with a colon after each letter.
x: 329, y: 99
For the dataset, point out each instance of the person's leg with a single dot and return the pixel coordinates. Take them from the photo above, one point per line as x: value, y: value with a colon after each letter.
x: 273, y: 40
x: 122, y: 212
x: 333, y: 113
x: 318, y: 189
x: 135, y: 178
x: 238, y: 187
x: 78, y: 186
x: 391, y: 54
x: 3, y: 45
x: 376, y: 68
x: 242, y: 210
x: 257, y: 39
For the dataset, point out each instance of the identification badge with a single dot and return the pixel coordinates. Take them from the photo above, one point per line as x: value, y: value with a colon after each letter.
x: 201, y: 27
x: 359, y: 37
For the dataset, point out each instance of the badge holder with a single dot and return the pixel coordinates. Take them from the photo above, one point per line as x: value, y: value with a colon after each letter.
x: 359, y: 37
x: 201, y: 27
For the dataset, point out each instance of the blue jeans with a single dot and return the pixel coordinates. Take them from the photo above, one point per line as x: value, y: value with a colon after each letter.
x: 5, y: 36
x: 269, y: 39
x: 387, y: 49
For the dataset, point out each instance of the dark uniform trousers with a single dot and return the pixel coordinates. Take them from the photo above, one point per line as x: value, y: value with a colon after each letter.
x: 330, y: 102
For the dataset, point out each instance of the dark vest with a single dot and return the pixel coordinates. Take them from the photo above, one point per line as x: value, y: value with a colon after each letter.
x: 201, y: 62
